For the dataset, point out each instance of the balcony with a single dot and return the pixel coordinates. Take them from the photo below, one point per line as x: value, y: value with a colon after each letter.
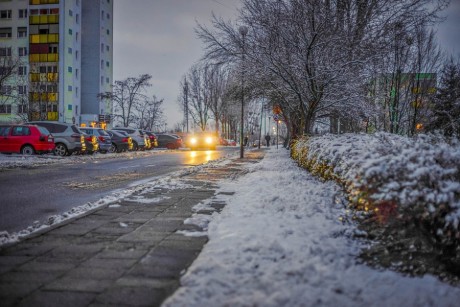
x: 43, y: 19
x: 47, y: 57
x: 44, y: 38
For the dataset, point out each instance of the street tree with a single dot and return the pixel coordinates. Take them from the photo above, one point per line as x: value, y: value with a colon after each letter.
x: 127, y: 96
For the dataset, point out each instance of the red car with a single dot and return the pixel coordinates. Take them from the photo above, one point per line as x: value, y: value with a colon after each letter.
x: 25, y: 139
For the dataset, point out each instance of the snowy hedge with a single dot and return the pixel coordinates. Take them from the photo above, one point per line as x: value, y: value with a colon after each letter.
x: 416, y: 179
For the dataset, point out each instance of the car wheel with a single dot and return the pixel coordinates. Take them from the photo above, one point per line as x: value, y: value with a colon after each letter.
x: 169, y: 146
x: 61, y: 150
x: 113, y: 148
x: 27, y: 150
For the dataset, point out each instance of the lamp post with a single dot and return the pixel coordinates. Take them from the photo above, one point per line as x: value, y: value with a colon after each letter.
x: 243, y: 31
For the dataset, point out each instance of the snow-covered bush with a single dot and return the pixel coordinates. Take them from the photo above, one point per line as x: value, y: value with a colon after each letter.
x: 416, y: 179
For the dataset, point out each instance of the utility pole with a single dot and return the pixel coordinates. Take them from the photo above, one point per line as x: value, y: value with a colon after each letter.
x: 186, y: 102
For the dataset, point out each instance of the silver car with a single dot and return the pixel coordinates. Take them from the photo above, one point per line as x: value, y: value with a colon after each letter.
x: 67, y: 137
x: 139, y: 138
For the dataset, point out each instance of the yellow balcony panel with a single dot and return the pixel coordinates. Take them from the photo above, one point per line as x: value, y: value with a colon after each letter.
x: 53, y: 116
x: 34, y: 2
x: 53, y: 38
x: 35, y: 19
x: 53, y: 18
x: 53, y: 57
x: 43, y: 19
x: 52, y: 97
x: 34, y: 77
x: 34, y: 58
x: 35, y: 38
x: 52, y: 77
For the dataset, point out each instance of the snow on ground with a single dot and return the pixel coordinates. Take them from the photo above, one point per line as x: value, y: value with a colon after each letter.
x: 279, y: 242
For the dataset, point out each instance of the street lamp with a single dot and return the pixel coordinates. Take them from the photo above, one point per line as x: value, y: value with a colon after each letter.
x: 243, y: 31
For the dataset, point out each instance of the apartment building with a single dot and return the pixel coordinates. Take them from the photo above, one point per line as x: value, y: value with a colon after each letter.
x: 54, y: 46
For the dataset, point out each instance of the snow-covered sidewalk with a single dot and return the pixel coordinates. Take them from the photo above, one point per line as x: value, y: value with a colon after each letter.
x: 280, y: 242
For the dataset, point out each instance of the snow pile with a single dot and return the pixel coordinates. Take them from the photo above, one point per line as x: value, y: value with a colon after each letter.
x: 279, y: 241
x: 418, y: 176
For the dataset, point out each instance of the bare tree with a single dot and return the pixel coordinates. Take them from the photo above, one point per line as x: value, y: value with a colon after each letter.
x: 150, y: 114
x: 314, y: 55
x: 126, y: 95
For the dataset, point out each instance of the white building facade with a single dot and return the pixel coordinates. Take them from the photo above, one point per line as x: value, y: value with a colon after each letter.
x: 47, y: 44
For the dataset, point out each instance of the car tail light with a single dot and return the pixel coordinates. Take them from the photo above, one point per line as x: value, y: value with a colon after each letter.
x: 101, y: 138
x: 125, y: 140
x: 76, y: 136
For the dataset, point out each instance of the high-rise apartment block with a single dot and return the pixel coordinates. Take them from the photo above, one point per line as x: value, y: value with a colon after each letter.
x: 56, y: 56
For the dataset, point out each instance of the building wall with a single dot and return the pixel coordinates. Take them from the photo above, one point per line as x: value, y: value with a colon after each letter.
x: 72, y: 43
x: 97, y: 45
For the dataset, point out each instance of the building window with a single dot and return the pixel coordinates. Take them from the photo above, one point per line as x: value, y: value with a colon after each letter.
x: 76, y: 92
x: 22, y: 70
x: 108, y: 31
x: 102, y: 64
x: 107, y: 48
x: 102, y: 80
x: 22, y: 32
x: 22, y: 108
x: 77, y: 73
x: 107, y: 80
x: 22, y: 51
x: 6, y: 90
x: 22, y: 89
x: 5, y: 32
x: 107, y: 64
x: 102, y: 15
x: 77, y: 55
x: 69, y: 69
x: 70, y: 31
x: 70, y: 13
x: 76, y: 36
x: 5, y: 109
x: 102, y: 47
x: 5, y: 14
x: 69, y: 50
x: 22, y: 13
x: 5, y: 51
x: 108, y: 16
x: 69, y: 88
x: 69, y: 107
x: 77, y: 19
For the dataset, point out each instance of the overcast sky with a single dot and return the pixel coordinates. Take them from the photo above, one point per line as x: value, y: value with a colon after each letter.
x: 157, y: 37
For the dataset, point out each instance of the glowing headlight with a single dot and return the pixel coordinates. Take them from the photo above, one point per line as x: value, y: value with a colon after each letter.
x: 193, y: 140
x: 209, y: 140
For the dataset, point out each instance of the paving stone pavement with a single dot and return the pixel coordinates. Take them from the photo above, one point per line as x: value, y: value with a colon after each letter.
x: 125, y: 255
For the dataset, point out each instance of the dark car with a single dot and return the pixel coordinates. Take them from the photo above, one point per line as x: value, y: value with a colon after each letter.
x: 138, y: 137
x: 25, y: 139
x: 104, y: 139
x: 168, y: 141
x: 120, y: 141
x: 92, y: 144
x: 67, y: 137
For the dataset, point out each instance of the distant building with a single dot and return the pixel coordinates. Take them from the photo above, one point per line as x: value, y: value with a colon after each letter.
x: 62, y: 51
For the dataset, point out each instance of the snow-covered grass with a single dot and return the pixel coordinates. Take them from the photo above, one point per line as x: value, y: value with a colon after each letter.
x: 280, y: 241
x: 417, y: 179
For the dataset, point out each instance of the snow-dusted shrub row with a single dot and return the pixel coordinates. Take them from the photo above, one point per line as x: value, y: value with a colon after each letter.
x: 417, y: 179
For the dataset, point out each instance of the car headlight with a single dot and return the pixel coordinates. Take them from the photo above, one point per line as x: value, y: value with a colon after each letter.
x: 193, y: 140
x: 209, y: 140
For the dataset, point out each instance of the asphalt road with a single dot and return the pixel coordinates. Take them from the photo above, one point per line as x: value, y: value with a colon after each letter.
x: 28, y: 195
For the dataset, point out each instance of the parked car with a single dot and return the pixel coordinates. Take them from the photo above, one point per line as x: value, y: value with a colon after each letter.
x: 153, y: 139
x: 92, y: 144
x: 25, y: 139
x: 137, y: 135
x: 104, y: 139
x: 169, y: 141
x: 256, y: 143
x: 231, y: 142
x: 203, y: 140
x: 67, y: 137
x: 120, y: 141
